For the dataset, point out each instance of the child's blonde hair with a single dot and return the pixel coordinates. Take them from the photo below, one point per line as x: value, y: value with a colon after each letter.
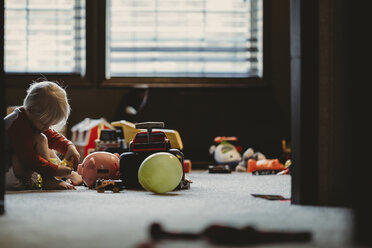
x: 47, y: 101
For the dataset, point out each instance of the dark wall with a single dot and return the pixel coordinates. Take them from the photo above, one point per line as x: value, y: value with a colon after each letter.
x: 258, y: 116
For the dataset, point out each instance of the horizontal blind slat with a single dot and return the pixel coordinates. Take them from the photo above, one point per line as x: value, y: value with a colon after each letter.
x: 44, y: 36
x: 184, y: 37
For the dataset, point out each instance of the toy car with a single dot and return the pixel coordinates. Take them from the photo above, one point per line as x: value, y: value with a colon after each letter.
x: 219, y: 168
x: 113, y: 185
x: 143, y: 145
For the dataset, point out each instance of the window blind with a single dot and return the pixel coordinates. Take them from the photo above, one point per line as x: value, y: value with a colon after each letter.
x: 44, y: 36
x: 184, y: 38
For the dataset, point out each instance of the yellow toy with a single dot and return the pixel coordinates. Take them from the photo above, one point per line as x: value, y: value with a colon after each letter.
x: 130, y: 131
x: 64, y: 162
x: 67, y: 163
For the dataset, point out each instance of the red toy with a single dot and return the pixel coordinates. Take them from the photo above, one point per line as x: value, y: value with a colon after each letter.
x: 85, y: 133
x: 99, y: 165
x: 265, y: 166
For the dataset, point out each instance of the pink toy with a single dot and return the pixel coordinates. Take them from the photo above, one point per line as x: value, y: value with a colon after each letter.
x: 99, y: 165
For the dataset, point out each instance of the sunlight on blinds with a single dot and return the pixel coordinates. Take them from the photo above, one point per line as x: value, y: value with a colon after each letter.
x: 44, y: 36
x: 184, y: 38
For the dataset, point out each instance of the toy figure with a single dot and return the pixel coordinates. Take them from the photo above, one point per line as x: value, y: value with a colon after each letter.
x: 225, y: 153
x: 31, y: 143
x: 99, y: 165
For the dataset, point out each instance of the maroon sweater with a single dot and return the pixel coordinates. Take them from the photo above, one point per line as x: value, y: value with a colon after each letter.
x: 20, y: 133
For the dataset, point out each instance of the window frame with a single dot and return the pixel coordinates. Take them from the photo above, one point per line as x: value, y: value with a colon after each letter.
x: 96, y: 62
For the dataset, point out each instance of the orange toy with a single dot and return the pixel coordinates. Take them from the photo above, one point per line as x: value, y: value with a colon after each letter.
x: 268, y: 165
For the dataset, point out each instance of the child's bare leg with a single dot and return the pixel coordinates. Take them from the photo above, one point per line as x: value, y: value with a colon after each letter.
x: 54, y: 183
x: 20, y: 171
x: 41, y: 147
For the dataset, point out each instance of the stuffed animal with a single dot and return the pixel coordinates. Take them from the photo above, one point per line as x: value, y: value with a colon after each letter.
x: 247, y: 155
x: 225, y: 153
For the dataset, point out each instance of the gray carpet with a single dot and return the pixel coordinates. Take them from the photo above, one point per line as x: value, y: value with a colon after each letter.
x: 85, y: 218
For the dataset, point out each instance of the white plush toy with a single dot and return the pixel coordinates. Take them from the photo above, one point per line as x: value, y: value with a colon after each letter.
x: 226, y: 154
x: 248, y: 154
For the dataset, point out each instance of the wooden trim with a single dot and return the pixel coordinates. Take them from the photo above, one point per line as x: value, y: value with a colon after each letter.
x: 184, y: 82
x: 267, y: 41
x: 24, y: 80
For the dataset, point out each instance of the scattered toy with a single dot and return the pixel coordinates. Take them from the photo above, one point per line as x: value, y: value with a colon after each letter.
x: 130, y: 130
x: 187, y: 165
x: 219, y: 168
x: 160, y: 172
x: 247, y: 155
x: 143, y: 145
x: 286, y: 147
x: 231, y: 236
x: 271, y: 197
x: 265, y: 167
x: 225, y: 153
x: 111, y: 141
x: 67, y: 163
x: 97, y: 165
x: 86, y: 132
x: 114, y: 185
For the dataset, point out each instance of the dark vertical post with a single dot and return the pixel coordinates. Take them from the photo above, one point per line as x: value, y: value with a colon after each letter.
x: 304, y: 101
x: 358, y: 76
x: 2, y: 110
x: 95, y: 41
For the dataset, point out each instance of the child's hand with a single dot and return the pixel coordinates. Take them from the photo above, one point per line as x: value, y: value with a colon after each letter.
x: 72, y: 155
x: 63, y: 171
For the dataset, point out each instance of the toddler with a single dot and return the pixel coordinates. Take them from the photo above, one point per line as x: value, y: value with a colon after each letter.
x: 31, y: 143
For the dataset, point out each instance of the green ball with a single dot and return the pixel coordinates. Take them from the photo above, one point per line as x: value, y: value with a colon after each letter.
x: 160, y: 172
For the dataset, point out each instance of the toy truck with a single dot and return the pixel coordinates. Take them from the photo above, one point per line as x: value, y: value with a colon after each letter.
x: 143, y: 145
x: 111, y: 141
x: 113, y: 185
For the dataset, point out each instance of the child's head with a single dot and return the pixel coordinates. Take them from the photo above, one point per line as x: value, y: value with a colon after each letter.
x: 47, y: 101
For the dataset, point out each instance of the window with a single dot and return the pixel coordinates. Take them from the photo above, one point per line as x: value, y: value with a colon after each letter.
x: 184, y: 38
x: 44, y: 36
x: 162, y: 43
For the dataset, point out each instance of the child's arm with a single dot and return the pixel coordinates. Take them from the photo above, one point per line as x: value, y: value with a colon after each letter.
x: 21, y: 138
x: 57, y: 141
x: 60, y: 143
